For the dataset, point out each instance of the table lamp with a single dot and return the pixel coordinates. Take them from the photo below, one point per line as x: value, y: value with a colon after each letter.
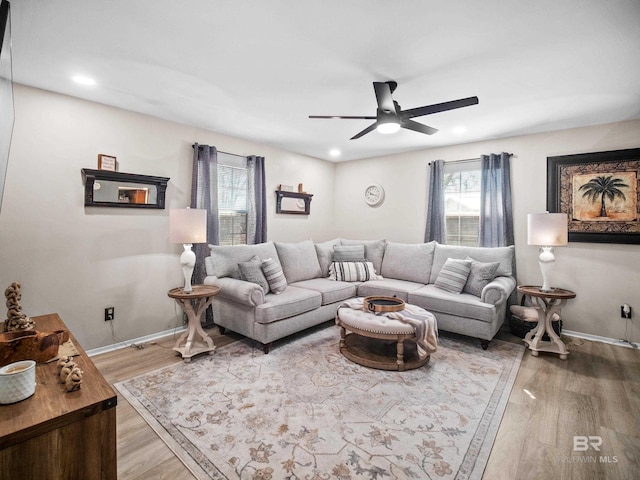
x: 187, y: 226
x: 547, y: 230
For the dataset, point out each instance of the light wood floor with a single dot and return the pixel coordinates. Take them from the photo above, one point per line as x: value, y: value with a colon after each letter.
x: 596, y: 392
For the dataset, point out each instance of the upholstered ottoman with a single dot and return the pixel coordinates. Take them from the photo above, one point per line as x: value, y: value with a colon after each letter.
x: 378, y: 341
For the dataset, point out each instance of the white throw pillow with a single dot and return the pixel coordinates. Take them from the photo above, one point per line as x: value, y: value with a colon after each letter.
x: 453, y: 275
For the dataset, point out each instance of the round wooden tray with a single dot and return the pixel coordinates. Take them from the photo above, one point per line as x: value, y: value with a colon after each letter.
x: 382, y: 304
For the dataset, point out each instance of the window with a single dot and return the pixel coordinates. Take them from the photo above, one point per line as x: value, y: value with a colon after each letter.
x: 462, y: 202
x: 232, y: 199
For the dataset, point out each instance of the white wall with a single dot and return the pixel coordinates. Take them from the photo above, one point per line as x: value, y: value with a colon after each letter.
x: 75, y: 260
x: 604, y: 276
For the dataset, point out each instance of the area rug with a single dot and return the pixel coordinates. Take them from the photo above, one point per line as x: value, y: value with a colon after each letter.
x: 305, y: 412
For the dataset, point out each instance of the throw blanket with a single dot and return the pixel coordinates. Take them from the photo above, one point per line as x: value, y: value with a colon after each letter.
x: 423, y: 323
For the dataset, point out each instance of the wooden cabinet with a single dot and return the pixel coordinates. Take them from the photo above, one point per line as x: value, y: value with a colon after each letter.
x: 59, y: 435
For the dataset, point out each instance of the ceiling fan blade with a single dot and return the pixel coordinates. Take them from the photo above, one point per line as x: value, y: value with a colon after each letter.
x: 439, y: 107
x: 383, y: 96
x: 418, y: 127
x: 343, y: 117
x: 370, y: 128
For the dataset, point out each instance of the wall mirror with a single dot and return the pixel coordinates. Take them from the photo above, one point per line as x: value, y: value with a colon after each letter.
x: 292, y: 202
x: 103, y: 188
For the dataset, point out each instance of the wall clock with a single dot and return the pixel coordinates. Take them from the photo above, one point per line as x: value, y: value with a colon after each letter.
x: 374, y: 194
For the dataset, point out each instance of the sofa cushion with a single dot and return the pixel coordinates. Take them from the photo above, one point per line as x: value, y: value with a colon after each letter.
x: 353, y: 272
x: 464, y: 305
x: 273, y: 273
x: 251, y: 271
x: 408, y: 261
x: 348, y: 253
x: 479, y: 276
x: 324, y: 251
x: 453, y: 275
x: 373, y: 250
x: 389, y: 287
x: 299, y: 260
x: 503, y: 255
x: 330, y: 290
x: 224, y: 259
x: 292, y: 301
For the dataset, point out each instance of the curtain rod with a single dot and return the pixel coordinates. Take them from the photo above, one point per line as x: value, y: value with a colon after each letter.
x: 220, y: 151
x: 468, y: 159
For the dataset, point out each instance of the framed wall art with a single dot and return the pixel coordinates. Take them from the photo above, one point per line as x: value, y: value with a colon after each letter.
x: 600, y: 194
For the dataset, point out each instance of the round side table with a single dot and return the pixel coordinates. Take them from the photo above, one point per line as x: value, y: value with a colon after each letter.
x: 194, y: 305
x: 550, y: 302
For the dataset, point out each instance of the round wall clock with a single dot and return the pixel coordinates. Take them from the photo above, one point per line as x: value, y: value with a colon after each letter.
x: 374, y: 194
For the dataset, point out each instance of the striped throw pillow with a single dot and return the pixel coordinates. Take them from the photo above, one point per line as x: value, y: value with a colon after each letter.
x: 274, y: 275
x: 353, y: 272
x: 453, y: 275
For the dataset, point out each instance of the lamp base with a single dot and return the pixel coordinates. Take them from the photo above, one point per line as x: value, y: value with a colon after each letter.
x: 188, y: 262
x: 547, y: 262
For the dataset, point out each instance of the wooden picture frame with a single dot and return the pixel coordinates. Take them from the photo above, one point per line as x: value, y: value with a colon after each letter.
x: 107, y: 162
x: 600, y: 192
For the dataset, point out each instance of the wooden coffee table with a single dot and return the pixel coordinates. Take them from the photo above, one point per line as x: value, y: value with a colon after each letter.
x: 378, y: 341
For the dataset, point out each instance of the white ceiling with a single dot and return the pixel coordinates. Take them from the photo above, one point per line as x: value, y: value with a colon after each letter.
x: 256, y: 69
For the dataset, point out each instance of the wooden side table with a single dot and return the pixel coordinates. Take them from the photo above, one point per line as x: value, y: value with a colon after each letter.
x: 549, y: 302
x: 194, y: 305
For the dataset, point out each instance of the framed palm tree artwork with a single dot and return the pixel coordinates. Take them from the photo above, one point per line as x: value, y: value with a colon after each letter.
x: 600, y: 193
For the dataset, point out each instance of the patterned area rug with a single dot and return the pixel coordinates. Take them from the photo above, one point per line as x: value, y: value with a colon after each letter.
x: 305, y: 412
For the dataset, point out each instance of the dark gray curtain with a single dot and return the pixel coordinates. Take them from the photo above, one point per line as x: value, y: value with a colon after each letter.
x: 204, y: 194
x: 436, y: 229
x: 257, y: 201
x: 496, y: 216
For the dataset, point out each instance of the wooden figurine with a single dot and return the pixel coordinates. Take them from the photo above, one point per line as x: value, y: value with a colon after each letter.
x: 16, y: 320
x: 62, y: 361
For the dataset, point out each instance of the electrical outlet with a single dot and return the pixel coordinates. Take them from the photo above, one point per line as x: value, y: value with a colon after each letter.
x: 109, y: 314
x: 625, y: 311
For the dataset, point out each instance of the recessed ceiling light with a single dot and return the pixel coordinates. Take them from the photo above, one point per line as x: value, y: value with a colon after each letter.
x: 334, y: 152
x: 82, y: 80
x: 459, y: 130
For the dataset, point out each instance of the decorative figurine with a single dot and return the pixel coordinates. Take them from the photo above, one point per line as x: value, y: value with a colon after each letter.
x: 16, y: 320
x: 62, y: 361
x: 66, y: 370
x: 73, y: 381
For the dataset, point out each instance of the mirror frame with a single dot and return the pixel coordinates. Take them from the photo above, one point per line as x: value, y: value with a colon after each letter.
x: 90, y: 176
x: 280, y: 194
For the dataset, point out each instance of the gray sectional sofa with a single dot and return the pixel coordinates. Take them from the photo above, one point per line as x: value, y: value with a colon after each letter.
x: 412, y: 272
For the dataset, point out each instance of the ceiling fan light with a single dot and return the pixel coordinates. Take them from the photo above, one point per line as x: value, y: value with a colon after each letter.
x: 387, y: 128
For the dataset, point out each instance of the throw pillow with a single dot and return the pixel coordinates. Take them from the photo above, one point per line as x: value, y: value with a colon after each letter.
x: 353, y: 272
x: 453, y: 275
x: 479, y: 276
x: 273, y: 273
x: 348, y: 253
x: 251, y: 271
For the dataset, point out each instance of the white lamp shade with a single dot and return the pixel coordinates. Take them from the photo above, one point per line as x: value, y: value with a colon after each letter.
x: 547, y: 229
x: 187, y: 225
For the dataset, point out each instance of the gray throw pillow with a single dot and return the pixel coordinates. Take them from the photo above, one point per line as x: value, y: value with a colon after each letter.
x: 251, y: 271
x: 479, y: 276
x: 348, y: 253
x: 453, y: 275
x: 274, y: 275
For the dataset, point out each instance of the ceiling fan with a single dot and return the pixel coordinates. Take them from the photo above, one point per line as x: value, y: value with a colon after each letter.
x: 390, y: 117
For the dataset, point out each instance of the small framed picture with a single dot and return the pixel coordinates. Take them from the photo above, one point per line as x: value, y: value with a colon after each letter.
x: 107, y: 162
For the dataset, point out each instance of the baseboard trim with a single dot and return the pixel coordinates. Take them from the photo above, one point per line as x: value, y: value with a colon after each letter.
x: 135, y: 341
x: 598, y: 338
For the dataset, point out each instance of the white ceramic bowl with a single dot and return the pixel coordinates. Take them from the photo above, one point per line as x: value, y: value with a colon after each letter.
x: 17, y: 381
